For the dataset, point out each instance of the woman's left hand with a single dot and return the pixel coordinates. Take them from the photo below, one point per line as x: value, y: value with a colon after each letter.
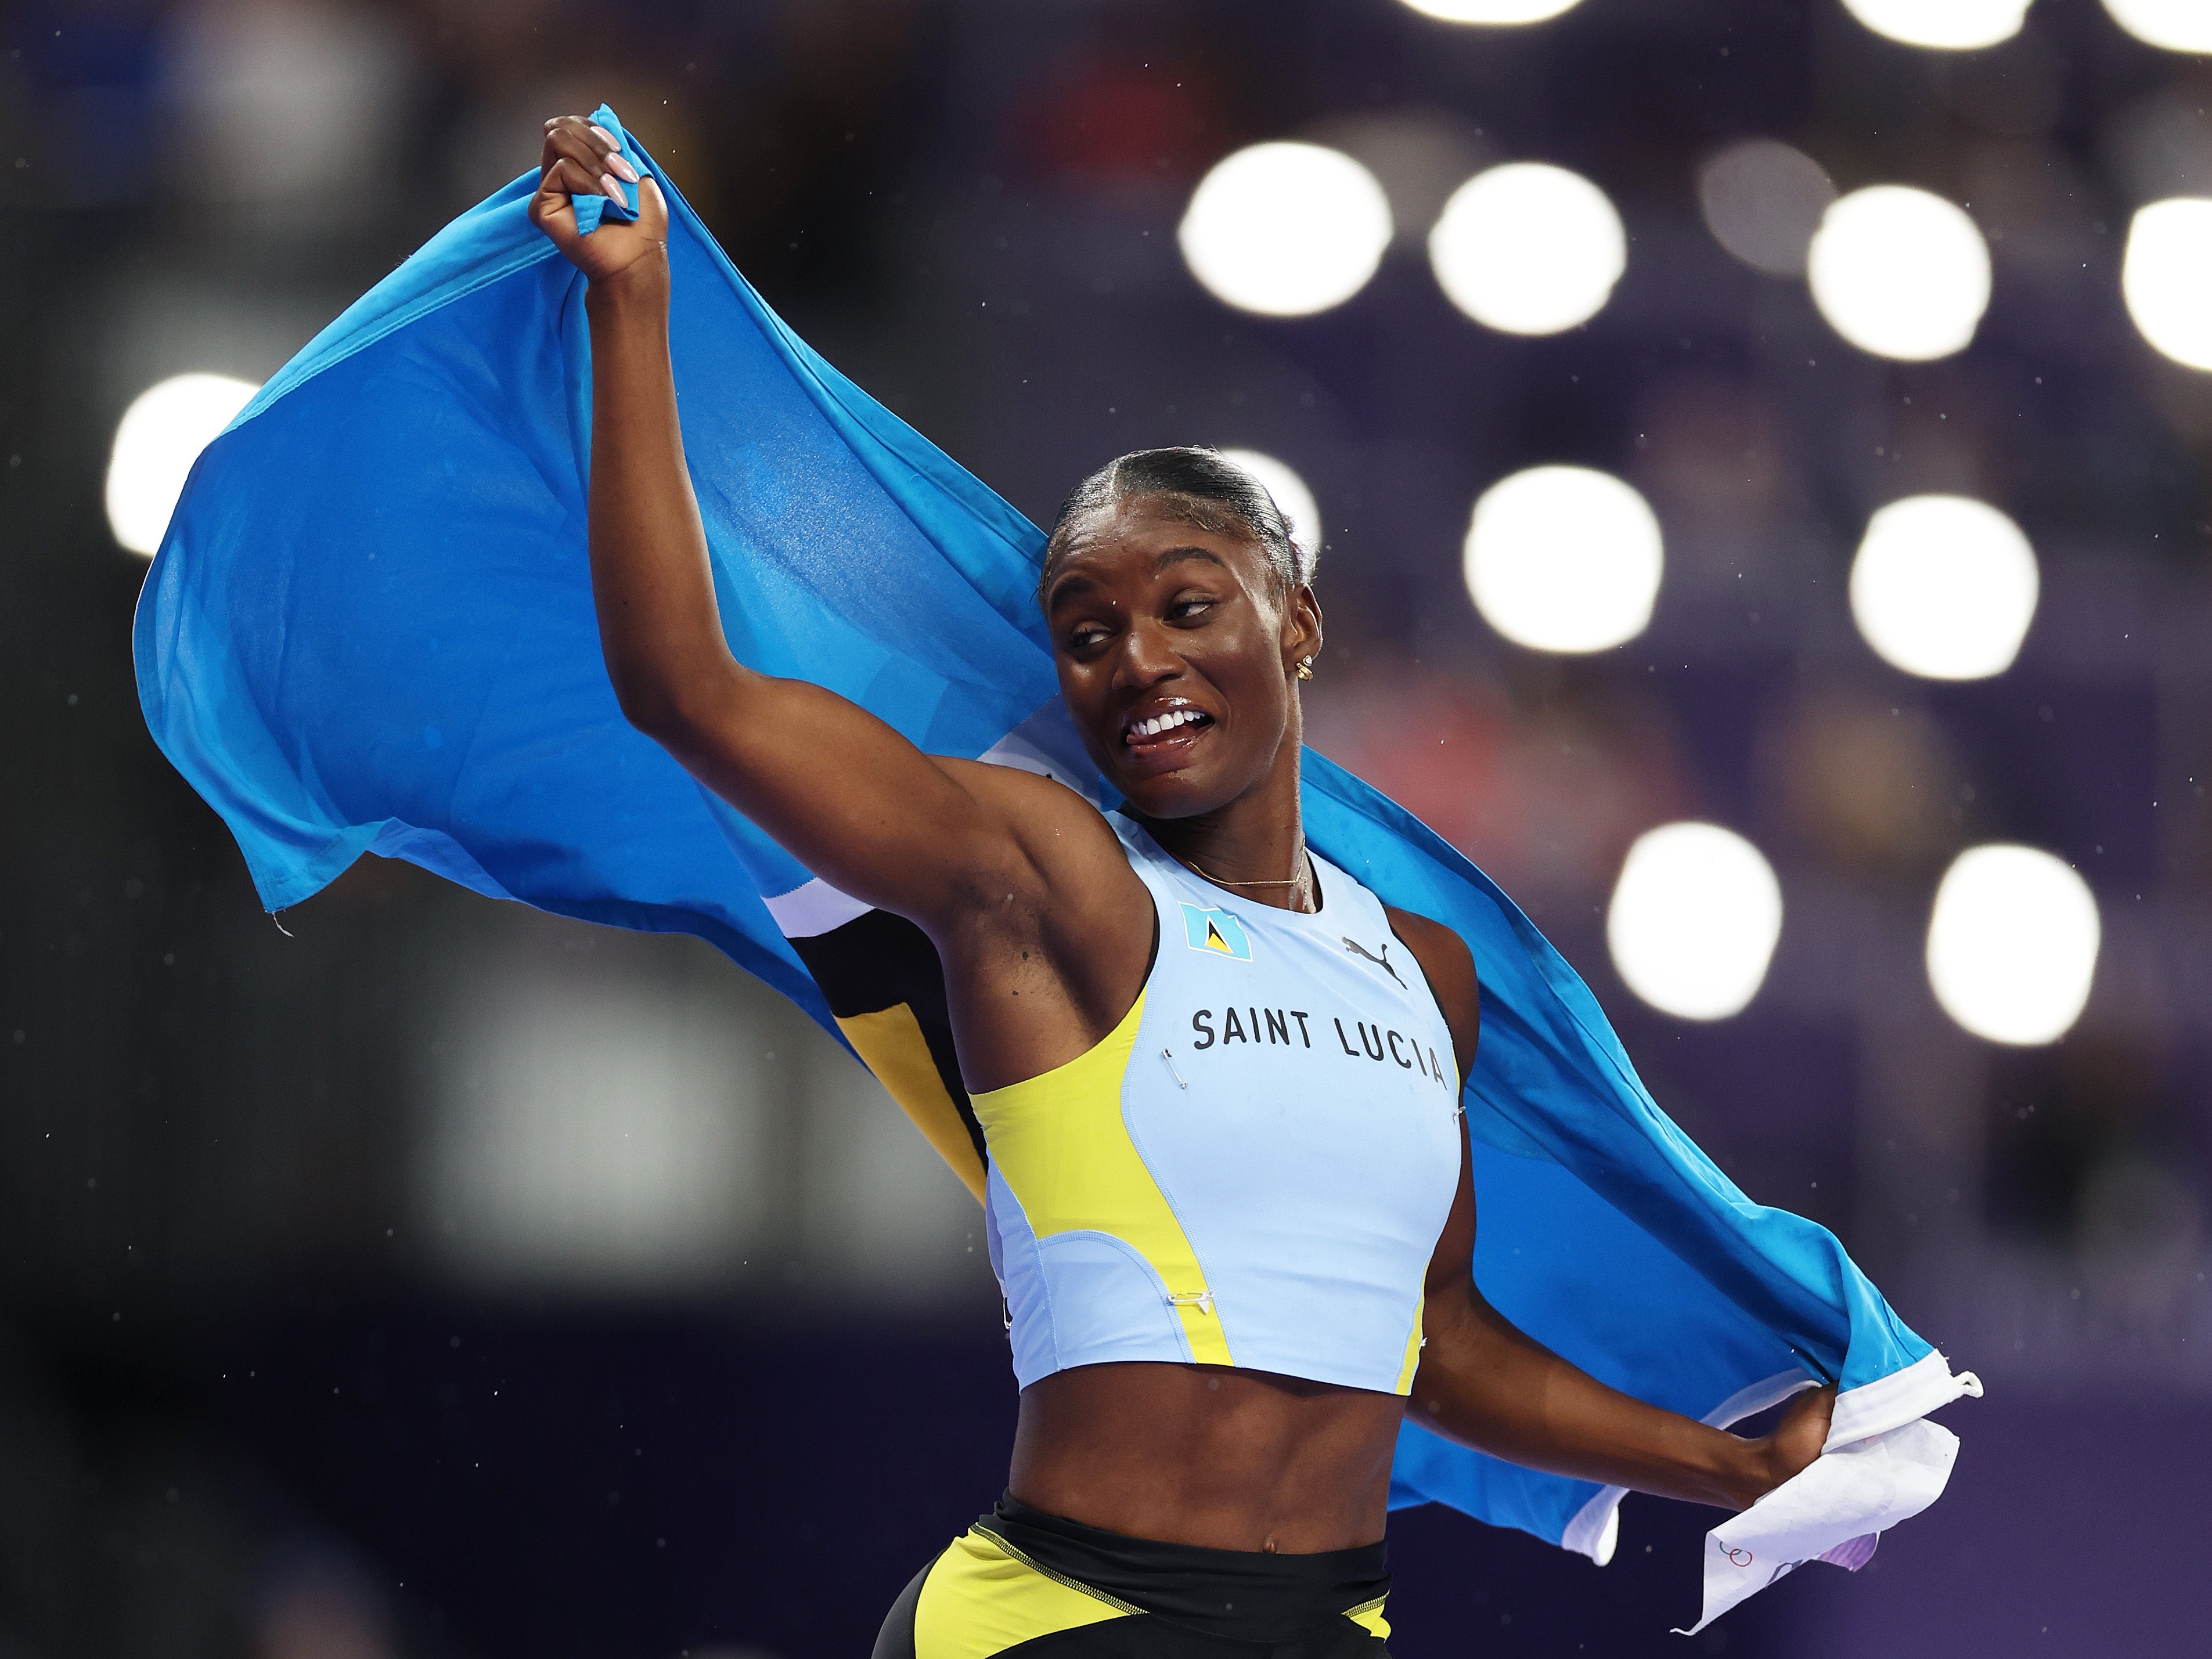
x: 1798, y: 1437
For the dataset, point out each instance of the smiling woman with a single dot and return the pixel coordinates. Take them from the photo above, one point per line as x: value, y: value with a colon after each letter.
x: 1234, y: 591
x: 1220, y: 1100
x: 1220, y: 1317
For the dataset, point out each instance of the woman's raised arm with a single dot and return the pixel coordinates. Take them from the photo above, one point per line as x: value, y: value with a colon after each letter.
x: 848, y: 796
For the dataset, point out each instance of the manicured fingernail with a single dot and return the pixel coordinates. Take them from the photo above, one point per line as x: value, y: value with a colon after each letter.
x: 622, y: 169
x: 614, y: 190
x: 604, y: 134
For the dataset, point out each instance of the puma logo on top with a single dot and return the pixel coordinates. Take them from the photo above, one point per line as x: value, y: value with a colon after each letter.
x: 1383, y: 962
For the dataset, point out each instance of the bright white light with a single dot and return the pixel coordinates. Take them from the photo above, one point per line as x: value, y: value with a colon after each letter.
x: 1562, y: 558
x: 2012, y: 944
x: 1285, y: 229
x: 1492, y: 11
x: 1944, y: 587
x: 156, y: 441
x: 1951, y: 25
x: 1529, y: 249
x: 1900, y: 273
x: 2177, y: 25
x: 1289, y: 492
x: 1694, y: 919
x: 2167, y: 277
x: 1762, y: 201
x: 600, y: 1138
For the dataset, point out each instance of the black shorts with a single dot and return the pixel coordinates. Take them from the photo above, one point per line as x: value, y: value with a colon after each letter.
x: 1020, y: 1582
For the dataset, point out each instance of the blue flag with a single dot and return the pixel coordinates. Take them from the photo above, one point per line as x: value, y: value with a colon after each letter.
x: 369, y: 629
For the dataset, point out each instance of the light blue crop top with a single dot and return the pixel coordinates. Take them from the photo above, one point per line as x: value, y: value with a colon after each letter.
x: 1252, y: 1169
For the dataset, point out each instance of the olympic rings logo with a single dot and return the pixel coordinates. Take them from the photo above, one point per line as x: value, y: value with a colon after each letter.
x: 1740, y: 1558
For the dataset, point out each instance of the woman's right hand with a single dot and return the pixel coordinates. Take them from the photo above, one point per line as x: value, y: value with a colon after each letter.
x: 583, y: 160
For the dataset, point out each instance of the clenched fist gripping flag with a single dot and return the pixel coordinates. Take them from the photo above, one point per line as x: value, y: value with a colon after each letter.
x: 369, y: 629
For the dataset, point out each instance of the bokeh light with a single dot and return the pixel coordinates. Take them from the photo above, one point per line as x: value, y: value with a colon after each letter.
x: 2167, y: 277
x: 1563, y: 558
x: 1290, y: 491
x: 2177, y: 25
x: 1763, y: 200
x: 1899, y: 272
x: 1949, y: 25
x: 1694, y: 920
x: 1529, y: 249
x: 1944, y: 586
x: 1285, y: 229
x: 1493, y: 11
x: 2012, y: 944
x: 156, y: 441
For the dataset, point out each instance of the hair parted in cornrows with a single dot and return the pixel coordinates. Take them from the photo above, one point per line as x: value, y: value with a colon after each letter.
x: 1197, y: 486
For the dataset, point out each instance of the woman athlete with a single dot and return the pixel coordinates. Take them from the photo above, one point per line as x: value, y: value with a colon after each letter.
x: 1233, y: 1266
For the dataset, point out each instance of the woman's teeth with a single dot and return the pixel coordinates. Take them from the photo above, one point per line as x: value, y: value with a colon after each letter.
x: 1167, y: 722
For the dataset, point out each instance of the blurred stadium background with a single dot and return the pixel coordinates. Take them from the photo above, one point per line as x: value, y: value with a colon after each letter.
x: 1761, y: 453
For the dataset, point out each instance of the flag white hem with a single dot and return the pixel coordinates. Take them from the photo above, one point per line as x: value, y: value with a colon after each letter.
x: 1883, y: 1463
x: 1902, y: 1397
x: 814, y: 907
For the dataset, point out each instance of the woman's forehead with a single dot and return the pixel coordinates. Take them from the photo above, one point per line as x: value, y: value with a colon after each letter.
x: 1137, y: 531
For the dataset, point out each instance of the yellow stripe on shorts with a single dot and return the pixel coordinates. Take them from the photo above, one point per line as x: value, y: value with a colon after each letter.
x: 982, y: 1598
x: 1368, y: 1615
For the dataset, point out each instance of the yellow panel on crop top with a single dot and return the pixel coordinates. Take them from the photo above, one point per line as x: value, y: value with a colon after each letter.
x: 1252, y: 1169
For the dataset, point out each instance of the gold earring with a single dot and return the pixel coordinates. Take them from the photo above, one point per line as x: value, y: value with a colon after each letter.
x: 1305, y: 668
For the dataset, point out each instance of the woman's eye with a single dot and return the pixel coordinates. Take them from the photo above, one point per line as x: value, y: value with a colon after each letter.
x: 1189, y: 607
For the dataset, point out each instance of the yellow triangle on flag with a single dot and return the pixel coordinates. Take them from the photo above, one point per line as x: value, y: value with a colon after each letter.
x: 1214, y: 941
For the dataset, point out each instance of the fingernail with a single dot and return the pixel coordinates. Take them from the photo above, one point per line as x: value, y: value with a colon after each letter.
x: 604, y: 134
x: 622, y: 169
x: 614, y: 190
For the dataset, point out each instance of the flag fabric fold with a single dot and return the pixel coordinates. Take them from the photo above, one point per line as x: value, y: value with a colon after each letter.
x: 369, y: 629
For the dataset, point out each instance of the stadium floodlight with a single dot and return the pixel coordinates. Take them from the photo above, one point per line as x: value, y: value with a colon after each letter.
x: 2167, y: 277
x: 1944, y: 586
x: 1694, y: 920
x: 1899, y: 272
x: 1945, y: 25
x: 2176, y: 25
x: 1496, y: 13
x: 1526, y: 248
x: 2012, y: 944
x: 1285, y: 229
x: 1563, y: 559
x: 156, y: 441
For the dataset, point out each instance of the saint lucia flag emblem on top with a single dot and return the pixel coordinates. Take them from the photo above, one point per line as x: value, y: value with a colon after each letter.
x: 1217, y: 931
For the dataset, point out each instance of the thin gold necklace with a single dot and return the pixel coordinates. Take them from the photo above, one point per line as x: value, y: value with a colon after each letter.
x: 1299, y: 881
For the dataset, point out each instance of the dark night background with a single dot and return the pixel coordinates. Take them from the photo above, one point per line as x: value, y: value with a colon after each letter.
x: 333, y: 1323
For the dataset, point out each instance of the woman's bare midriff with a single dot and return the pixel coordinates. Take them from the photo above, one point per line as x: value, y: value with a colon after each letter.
x: 1203, y: 1454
